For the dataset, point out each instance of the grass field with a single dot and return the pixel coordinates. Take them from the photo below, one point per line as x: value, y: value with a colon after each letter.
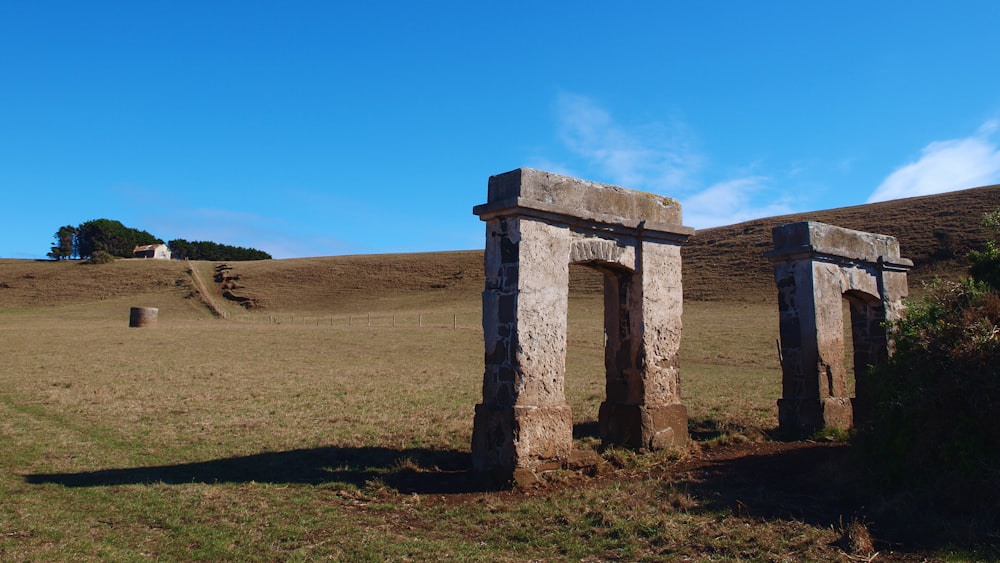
x: 300, y: 430
x: 235, y: 439
x: 212, y: 439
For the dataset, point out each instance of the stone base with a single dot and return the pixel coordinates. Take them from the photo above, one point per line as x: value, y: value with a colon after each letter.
x: 505, y: 438
x: 643, y: 426
x: 804, y: 417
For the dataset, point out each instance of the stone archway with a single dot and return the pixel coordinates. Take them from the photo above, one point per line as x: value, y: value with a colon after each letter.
x: 816, y: 267
x: 537, y: 223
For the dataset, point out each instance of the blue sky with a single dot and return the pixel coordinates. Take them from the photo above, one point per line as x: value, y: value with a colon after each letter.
x: 327, y: 128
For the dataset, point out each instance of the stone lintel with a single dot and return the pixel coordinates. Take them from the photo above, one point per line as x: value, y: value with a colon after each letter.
x: 796, y: 241
x: 584, y: 204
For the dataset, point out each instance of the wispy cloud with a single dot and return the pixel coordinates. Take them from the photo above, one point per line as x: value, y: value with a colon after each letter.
x: 732, y: 201
x: 946, y: 166
x: 653, y: 156
x: 659, y: 157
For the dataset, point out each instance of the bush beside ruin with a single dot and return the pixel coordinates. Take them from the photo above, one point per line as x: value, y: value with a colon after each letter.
x: 934, y: 436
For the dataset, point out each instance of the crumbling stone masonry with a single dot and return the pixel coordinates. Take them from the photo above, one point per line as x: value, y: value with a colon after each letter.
x: 537, y: 224
x: 816, y: 268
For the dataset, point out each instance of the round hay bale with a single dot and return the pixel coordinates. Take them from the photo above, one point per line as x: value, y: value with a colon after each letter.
x: 143, y: 317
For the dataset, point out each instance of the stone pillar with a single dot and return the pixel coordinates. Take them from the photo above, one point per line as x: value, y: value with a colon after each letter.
x: 537, y: 223
x: 814, y: 392
x: 815, y: 267
x: 643, y: 407
x: 523, y: 420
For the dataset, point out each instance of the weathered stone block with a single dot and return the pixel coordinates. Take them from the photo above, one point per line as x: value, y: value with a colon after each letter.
x: 819, y: 238
x: 804, y: 417
x: 643, y: 426
x: 506, y: 437
x: 580, y: 199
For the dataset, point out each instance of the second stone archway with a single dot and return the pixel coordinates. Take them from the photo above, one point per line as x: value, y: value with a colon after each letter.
x: 816, y: 268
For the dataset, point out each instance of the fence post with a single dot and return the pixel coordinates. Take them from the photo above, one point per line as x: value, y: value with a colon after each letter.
x: 454, y: 321
x: 369, y: 320
x: 420, y: 320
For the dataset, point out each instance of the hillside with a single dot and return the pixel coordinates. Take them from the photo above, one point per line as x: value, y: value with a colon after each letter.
x: 29, y: 284
x: 936, y: 232
x: 343, y: 284
x: 720, y: 264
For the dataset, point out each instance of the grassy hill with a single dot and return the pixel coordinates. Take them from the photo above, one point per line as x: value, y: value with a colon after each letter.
x: 936, y: 232
x: 720, y: 264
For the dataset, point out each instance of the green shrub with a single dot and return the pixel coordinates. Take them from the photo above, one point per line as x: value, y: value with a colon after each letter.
x: 100, y: 257
x: 936, y: 426
x: 984, y: 265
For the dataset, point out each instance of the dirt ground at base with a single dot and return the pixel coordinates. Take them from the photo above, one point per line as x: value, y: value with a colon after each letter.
x: 802, y: 481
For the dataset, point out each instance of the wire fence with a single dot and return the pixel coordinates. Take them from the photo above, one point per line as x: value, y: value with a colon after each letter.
x: 453, y: 321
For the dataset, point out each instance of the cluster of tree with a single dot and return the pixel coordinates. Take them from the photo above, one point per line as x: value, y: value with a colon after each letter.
x: 106, y: 236
x: 213, y: 251
x: 99, y: 235
x: 65, y: 246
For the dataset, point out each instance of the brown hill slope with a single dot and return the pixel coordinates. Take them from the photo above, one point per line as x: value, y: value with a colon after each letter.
x: 344, y: 284
x: 720, y: 264
x: 936, y: 232
x: 29, y: 284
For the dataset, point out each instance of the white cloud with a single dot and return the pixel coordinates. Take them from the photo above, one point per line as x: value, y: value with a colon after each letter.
x: 730, y: 202
x: 658, y: 158
x: 654, y: 158
x: 946, y: 166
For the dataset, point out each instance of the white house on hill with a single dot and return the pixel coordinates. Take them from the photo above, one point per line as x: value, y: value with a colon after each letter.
x: 154, y: 251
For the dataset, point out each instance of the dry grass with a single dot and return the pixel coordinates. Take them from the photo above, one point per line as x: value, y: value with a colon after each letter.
x: 210, y: 439
x: 294, y: 431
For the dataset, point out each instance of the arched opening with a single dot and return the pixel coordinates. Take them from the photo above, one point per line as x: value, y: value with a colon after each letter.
x: 601, y: 373
x: 848, y: 347
x: 585, y: 372
x: 865, y: 346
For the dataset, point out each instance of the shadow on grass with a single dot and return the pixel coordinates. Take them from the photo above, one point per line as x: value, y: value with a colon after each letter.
x: 586, y: 430
x: 827, y: 485
x: 799, y: 482
x: 414, y: 470
x: 421, y: 471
